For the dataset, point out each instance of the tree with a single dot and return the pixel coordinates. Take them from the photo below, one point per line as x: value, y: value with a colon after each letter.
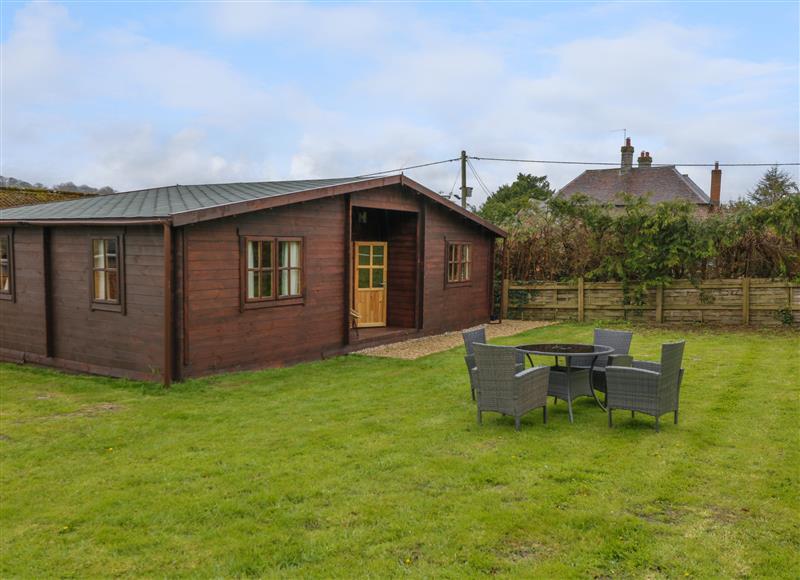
x: 775, y: 184
x: 504, y: 205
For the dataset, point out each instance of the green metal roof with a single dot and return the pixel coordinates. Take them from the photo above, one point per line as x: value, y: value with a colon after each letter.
x: 164, y: 202
x: 185, y: 204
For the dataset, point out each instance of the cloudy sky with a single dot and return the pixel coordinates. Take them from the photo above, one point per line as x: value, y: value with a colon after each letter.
x: 135, y: 95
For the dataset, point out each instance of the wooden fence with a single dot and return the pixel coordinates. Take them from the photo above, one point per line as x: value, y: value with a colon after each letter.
x: 753, y: 301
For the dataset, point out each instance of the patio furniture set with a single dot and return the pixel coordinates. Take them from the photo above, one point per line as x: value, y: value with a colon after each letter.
x: 499, y: 381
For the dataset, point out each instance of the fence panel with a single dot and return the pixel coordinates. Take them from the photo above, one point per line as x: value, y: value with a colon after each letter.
x: 758, y: 302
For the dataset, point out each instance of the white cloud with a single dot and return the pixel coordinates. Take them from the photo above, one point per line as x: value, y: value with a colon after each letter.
x: 129, y: 110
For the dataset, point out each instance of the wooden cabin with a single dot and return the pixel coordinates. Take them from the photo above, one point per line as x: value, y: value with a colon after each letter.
x: 184, y: 281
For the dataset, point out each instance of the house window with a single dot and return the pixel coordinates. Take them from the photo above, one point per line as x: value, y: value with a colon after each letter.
x: 6, y: 270
x: 105, y: 271
x: 459, y: 262
x: 259, y: 270
x: 289, y: 268
x: 273, y: 268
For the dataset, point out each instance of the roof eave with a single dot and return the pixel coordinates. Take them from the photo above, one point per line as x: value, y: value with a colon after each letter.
x: 87, y: 222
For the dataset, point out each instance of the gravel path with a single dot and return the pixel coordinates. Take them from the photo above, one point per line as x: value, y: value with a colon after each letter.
x: 417, y: 347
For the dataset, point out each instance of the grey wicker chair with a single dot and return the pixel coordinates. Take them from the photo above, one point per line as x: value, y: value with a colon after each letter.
x: 470, y: 338
x: 620, y: 341
x: 503, y: 388
x: 648, y: 387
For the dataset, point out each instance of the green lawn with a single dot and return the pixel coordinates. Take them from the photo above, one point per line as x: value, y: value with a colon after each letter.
x: 364, y: 466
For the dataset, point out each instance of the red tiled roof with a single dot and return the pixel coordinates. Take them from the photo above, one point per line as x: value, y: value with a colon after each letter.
x: 664, y: 183
x: 13, y: 197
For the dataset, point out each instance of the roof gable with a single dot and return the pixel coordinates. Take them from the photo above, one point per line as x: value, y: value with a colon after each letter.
x: 663, y: 183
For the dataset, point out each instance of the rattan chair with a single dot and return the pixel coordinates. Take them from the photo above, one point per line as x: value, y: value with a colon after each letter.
x: 648, y: 387
x: 470, y: 338
x: 620, y: 341
x: 503, y: 388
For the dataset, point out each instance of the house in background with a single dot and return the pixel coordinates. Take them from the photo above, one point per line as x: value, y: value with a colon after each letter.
x: 659, y: 183
x: 184, y: 281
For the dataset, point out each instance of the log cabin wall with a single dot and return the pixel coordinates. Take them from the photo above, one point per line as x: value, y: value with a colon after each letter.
x: 22, y: 316
x: 124, y: 343
x: 452, y: 307
x: 219, y: 334
x: 401, y: 272
x: 52, y: 320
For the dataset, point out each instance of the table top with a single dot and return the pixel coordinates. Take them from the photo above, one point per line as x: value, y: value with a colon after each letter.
x: 566, y: 349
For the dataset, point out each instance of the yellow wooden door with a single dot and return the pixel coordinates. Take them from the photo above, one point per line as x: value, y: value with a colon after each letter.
x: 370, y: 283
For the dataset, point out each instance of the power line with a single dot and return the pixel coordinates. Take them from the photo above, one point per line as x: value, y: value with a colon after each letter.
x: 478, y: 178
x: 409, y: 167
x: 616, y: 163
x: 452, y: 189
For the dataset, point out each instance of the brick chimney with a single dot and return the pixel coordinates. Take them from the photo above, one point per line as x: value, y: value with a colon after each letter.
x: 716, y: 185
x: 627, y: 156
x: 644, y: 159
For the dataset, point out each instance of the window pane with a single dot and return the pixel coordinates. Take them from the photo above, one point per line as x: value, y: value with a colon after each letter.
x: 113, y: 285
x: 266, y: 284
x: 377, y: 278
x: 466, y: 251
x: 377, y: 255
x: 99, y: 250
x: 363, y: 255
x: 252, y: 254
x: 111, y: 246
x: 363, y: 277
x: 5, y: 271
x: 466, y: 271
x: 288, y: 254
x: 289, y: 283
x: 266, y: 255
x: 100, y: 285
x: 252, y: 284
x: 453, y: 252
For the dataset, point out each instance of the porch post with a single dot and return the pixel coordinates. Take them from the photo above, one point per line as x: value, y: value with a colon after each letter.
x: 348, y: 267
x: 166, y: 371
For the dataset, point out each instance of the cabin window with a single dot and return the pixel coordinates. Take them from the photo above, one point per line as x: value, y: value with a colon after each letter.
x: 6, y: 270
x: 259, y: 270
x: 106, y: 271
x: 273, y: 268
x: 459, y: 262
x: 289, y: 268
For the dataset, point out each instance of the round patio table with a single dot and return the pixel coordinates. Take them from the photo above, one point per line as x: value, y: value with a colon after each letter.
x: 568, y: 351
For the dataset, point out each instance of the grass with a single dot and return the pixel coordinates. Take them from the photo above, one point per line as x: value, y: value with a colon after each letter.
x: 365, y: 466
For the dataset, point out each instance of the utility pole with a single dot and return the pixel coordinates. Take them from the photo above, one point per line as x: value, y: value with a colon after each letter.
x: 464, y: 179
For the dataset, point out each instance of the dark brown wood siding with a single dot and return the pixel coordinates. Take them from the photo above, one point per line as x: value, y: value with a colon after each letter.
x: 220, y: 335
x: 402, y: 269
x: 212, y: 331
x: 458, y: 306
x: 131, y: 340
x: 22, y: 320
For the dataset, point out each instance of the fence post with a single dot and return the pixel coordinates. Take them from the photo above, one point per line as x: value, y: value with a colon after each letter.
x: 580, y: 299
x: 660, y: 304
x: 504, y: 299
x: 745, y: 300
